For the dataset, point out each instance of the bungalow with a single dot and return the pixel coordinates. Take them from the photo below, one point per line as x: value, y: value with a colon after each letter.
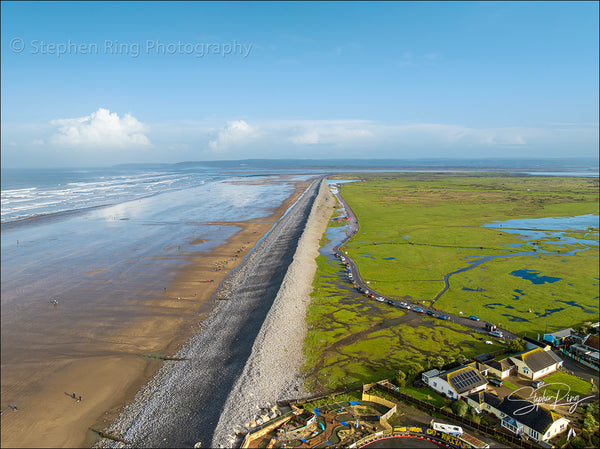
x: 559, y: 337
x: 535, y: 363
x: 500, y: 368
x: 456, y: 383
x: 520, y: 416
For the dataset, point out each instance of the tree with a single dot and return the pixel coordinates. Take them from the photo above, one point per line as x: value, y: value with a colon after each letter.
x: 413, y: 370
x: 401, y: 379
x: 577, y: 443
x: 459, y: 407
x: 438, y: 362
x: 585, y: 328
x: 449, y: 361
x: 589, y: 422
x: 517, y: 345
x: 460, y: 358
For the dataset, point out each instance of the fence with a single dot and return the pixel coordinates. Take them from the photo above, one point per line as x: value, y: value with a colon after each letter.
x: 494, y: 433
x: 579, y: 359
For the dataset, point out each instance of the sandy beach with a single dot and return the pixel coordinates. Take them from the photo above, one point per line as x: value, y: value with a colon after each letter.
x: 108, y: 372
x: 183, y: 404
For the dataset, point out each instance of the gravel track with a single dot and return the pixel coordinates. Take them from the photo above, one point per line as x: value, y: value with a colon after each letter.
x: 182, y: 405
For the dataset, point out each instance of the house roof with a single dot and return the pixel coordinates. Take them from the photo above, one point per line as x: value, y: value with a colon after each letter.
x: 562, y: 333
x: 528, y: 413
x: 593, y: 341
x: 464, y: 378
x: 520, y: 409
x: 536, y: 359
x: 555, y: 356
x: 533, y: 341
x: 501, y: 365
x: 482, y: 358
x: 482, y: 397
x: 431, y: 373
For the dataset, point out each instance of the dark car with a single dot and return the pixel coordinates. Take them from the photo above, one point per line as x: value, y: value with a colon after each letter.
x: 474, y: 318
x: 430, y: 313
x: 496, y: 382
x: 390, y: 302
x: 442, y: 317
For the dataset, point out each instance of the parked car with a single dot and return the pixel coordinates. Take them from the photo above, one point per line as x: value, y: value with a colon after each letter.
x: 496, y: 334
x: 418, y: 310
x: 443, y: 317
x: 496, y: 382
x: 430, y: 313
x: 474, y: 318
x: 537, y: 383
x: 390, y: 302
x: 379, y: 298
x: 403, y: 305
x: 490, y: 327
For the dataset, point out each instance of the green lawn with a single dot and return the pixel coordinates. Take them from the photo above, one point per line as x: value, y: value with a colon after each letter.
x: 425, y: 395
x: 510, y: 385
x: 566, y: 384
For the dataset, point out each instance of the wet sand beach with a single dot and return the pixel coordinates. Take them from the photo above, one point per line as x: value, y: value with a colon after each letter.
x: 119, y: 352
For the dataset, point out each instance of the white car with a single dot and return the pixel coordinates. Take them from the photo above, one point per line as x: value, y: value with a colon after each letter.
x: 379, y: 298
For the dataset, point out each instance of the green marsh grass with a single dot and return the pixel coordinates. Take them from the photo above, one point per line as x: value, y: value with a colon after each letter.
x: 428, y: 225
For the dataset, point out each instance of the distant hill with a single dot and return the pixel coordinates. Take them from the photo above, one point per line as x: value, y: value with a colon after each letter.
x: 554, y: 164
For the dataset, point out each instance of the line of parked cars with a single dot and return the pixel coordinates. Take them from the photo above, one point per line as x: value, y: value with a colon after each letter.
x: 404, y: 305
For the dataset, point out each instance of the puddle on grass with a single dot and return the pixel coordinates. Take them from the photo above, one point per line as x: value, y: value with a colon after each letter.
x: 519, y: 294
x: 491, y: 306
x: 515, y: 318
x: 574, y: 304
x: 370, y: 256
x: 548, y: 312
x: 534, y: 277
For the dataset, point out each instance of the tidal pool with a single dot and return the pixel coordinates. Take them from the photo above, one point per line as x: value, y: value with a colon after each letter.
x: 553, y: 230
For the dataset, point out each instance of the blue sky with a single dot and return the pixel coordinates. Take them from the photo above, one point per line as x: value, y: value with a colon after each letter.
x: 88, y: 83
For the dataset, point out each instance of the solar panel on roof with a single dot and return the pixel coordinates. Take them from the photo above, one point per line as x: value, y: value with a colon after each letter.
x: 465, y: 379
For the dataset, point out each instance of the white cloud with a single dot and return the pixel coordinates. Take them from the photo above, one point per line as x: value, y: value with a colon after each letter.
x: 331, y: 132
x: 101, y: 129
x: 235, y: 134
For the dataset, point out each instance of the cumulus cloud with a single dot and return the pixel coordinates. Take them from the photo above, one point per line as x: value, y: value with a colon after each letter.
x: 101, y: 129
x: 235, y: 134
x: 331, y: 132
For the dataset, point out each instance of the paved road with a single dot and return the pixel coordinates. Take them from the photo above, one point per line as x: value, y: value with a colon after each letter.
x: 355, y: 278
